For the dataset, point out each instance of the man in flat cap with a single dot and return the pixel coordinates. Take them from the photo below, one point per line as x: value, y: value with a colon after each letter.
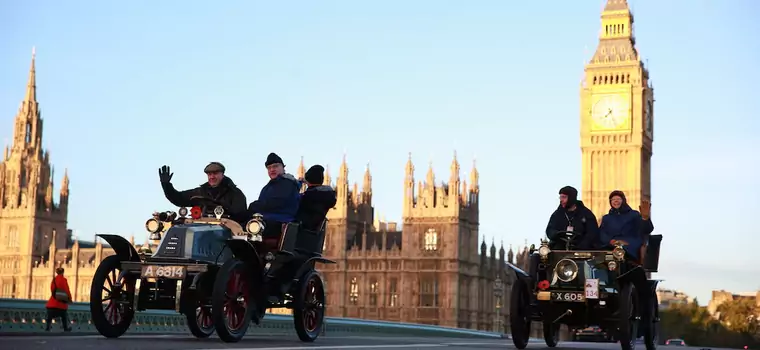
x: 317, y: 200
x: 278, y: 200
x: 219, y: 188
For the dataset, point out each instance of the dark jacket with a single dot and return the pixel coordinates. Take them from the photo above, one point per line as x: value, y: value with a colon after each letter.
x: 226, y: 193
x: 316, y: 201
x: 278, y: 200
x: 625, y: 224
x: 583, y: 222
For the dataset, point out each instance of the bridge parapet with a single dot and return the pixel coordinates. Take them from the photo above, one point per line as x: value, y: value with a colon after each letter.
x: 22, y: 317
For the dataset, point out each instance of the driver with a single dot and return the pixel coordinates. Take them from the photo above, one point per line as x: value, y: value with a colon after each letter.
x: 219, y: 188
x: 628, y: 225
x: 278, y: 200
x: 572, y: 215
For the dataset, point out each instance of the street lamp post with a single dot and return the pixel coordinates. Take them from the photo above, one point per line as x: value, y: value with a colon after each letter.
x: 498, y: 292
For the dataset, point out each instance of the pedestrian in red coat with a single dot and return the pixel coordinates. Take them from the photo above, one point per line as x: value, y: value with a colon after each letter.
x: 58, y: 304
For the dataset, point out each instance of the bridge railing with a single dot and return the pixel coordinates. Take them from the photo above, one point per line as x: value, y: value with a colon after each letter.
x: 23, y: 316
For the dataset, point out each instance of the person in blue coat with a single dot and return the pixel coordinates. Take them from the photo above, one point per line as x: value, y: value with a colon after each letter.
x: 279, y: 199
x: 625, y: 224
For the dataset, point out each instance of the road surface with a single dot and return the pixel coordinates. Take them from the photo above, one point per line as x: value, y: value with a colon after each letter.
x: 167, y: 342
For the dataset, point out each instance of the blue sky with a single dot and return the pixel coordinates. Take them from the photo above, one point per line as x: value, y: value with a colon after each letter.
x: 125, y: 89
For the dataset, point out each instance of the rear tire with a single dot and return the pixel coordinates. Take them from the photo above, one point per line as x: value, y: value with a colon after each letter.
x: 309, y: 306
x: 551, y: 333
x: 200, y: 319
x: 651, y: 330
x: 520, y: 312
x: 627, y: 322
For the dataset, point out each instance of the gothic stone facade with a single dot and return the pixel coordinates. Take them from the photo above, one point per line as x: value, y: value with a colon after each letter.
x: 33, y: 233
x: 430, y: 269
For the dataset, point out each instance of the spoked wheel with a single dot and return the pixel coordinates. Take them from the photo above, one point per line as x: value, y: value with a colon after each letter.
x: 309, y: 306
x: 232, y: 305
x: 198, y: 314
x: 649, y: 322
x: 519, y: 315
x: 112, y: 298
x: 627, y: 322
x: 551, y: 333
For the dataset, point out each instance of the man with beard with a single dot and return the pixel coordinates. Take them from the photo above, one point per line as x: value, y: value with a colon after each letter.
x: 218, y: 187
x: 572, y: 215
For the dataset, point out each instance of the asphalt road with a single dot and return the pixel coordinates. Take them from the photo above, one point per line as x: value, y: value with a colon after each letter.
x: 167, y: 342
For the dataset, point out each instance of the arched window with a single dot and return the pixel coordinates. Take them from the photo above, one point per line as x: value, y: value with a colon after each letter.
x: 354, y: 292
x: 373, y: 292
x: 393, y: 291
x: 13, y: 236
x: 431, y: 240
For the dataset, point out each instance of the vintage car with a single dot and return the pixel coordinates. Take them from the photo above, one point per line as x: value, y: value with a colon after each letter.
x: 271, y: 273
x: 604, y: 288
x: 178, y: 276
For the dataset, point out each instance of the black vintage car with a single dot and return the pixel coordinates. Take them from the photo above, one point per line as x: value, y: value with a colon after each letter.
x: 178, y: 276
x: 271, y: 273
x: 604, y: 288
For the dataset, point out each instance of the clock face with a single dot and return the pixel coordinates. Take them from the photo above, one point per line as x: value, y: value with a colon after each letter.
x: 648, y: 125
x: 610, y: 112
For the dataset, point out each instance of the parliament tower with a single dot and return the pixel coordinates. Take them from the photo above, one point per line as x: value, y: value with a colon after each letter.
x: 616, y: 113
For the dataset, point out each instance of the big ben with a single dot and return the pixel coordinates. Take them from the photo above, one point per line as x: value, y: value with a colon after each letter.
x: 617, y: 101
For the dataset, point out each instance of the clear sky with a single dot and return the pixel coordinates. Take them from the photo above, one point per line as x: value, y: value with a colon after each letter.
x: 126, y: 87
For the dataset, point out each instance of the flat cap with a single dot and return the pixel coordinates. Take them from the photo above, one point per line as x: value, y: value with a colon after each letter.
x: 214, y: 167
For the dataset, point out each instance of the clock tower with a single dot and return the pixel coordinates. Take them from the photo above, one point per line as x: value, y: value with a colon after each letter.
x: 616, y: 115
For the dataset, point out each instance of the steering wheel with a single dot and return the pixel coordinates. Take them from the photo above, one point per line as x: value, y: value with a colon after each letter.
x: 205, y: 203
x: 567, y: 237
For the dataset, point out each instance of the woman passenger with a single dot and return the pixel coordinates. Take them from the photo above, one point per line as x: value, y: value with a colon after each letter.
x: 627, y: 225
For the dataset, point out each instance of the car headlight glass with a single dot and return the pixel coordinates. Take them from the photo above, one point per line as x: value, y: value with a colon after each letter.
x: 618, y: 253
x: 544, y: 251
x: 153, y: 225
x: 254, y: 226
x: 611, y: 265
x: 183, y: 211
x: 566, y: 270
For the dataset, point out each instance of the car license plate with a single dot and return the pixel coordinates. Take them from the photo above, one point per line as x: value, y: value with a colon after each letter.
x: 568, y: 296
x: 163, y: 271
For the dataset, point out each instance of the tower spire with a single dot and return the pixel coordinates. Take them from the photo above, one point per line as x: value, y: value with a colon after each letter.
x: 31, y: 85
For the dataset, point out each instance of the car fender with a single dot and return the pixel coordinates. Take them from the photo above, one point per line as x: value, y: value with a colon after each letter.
x: 307, y: 265
x: 521, y: 275
x: 123, y: 249
x: 245, y: 252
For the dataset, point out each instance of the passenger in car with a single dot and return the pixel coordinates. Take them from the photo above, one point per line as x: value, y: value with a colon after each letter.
x: 625, y: 224
x: 316, y: 201
x: 279, y: 199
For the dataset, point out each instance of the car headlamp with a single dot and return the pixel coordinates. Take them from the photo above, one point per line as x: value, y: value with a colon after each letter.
x: 153, y: 225
x: 183, y: 211
x: 255, y: 226
x: 544, y: 251
x: 618, y: 253
x: 566, y: 270
x: 612, y: 266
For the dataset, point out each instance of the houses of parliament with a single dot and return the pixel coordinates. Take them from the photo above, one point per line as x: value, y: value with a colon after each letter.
x: 433, y: 267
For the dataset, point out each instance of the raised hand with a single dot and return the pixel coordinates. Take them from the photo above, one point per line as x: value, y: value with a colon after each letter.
x: 164, y: 174
x: 645, y: 209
